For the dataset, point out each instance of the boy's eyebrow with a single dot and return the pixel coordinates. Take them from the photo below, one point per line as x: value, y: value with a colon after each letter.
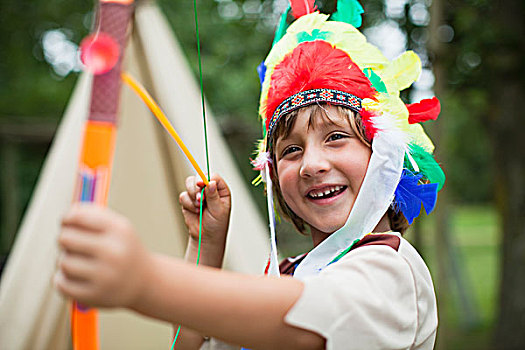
x: 285, y: 140
x: 282, y: 139
x: 322, y: 117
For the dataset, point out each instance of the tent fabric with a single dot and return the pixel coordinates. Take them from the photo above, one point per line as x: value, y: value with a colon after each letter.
x: 148, y: 175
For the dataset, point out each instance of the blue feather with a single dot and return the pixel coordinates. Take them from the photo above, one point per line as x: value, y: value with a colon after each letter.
x: 261, y: 69
x: 410, y: 195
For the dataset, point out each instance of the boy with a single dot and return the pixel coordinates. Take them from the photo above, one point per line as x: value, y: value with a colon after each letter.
x: 336, y: 170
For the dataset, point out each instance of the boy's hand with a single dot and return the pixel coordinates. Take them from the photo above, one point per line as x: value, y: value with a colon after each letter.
x: 215, y: 216
x: 103, y: 262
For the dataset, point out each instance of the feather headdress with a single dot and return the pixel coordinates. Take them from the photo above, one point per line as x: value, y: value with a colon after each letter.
x: 322, y: 60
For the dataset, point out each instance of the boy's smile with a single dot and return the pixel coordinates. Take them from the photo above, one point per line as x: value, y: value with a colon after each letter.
x: 321, y: 165
x: 319, y: 193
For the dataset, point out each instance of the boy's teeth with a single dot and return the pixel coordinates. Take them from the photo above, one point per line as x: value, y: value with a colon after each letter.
x: 317, y: 194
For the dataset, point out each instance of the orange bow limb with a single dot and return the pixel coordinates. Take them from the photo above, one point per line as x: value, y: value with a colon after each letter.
x: 161, y: 117
x: 98, y: 145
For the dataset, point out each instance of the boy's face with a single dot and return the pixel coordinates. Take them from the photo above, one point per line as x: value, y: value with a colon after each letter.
x: 321, y: 167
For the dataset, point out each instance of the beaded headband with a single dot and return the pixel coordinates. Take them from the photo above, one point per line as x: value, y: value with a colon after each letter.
x: 308, y: 97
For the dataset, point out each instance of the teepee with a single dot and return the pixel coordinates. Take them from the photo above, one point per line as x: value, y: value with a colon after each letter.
x: 148, y: 175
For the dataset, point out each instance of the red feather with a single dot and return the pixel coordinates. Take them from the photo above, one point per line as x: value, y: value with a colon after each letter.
x: 370, y: 129
x: 424, y: 110
x: 314, y: 65
x: 302, y: 7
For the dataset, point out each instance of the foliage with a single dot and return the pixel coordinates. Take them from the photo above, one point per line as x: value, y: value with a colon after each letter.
x: 467, y: 100
x: 235, y: 37
x: 229, y: 59
x: 28, y: 85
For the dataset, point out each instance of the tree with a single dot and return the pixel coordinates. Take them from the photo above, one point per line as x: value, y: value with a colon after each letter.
x: 505, y: 56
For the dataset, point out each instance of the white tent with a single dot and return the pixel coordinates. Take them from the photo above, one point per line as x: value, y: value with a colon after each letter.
x: 148, y: 174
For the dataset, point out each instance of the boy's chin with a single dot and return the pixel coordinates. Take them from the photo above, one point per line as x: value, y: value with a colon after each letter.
x: 329, y: 224
x: 325, y: 230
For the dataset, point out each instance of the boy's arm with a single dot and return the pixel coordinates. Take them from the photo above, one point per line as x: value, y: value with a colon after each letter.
x: 105, y: 265
x: 239, y: 309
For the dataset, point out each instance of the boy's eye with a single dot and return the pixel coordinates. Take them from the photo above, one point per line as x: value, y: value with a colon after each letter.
x: 290, y: 149
x: 337, y: 136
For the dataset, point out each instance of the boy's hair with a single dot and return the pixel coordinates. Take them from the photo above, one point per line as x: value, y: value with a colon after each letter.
x: 397, y: 220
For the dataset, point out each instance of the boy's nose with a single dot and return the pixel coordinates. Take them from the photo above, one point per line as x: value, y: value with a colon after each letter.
x: 313, y: 163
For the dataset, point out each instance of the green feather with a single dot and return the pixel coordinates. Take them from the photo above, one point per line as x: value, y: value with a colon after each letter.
x: 348, y: 11
x: 281, y: 29
x: 316, y: 34
x: 375, y: 79
x: 427, y: 165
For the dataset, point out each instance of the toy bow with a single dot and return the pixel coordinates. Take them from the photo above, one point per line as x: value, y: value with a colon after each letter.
x: 94, y: 170
x: 102, y: 54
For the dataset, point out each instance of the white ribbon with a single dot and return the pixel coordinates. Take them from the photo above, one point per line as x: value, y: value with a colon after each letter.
x: 273, y: 269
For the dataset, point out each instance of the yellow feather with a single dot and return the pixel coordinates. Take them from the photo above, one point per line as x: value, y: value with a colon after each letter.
x: 395, y: 106
x: 307, y: 23
x: 420, y: 138
x: 402, y: 71
x: 396, y: 75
